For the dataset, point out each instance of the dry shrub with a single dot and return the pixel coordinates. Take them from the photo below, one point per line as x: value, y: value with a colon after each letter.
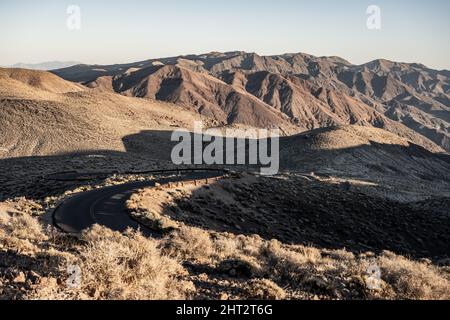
x: 20, y: 232
x: 26, y: 227
x: 22, y: 226
x: 225, y: 246
x: 156, y: 221
x: 249, y: 245
x: 412, y: 279
x: 264, y: 289
x: 312, y: 271
x: 4, y: 218
x: 340, y: 255
x: 129, y: 266
x: 190, y: 243
x: 294, y: 254
x: 289, y: 264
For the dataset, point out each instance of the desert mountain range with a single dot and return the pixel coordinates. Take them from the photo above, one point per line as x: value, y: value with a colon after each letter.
x: 43, y: 115
x: 329, y: 124
x: 293, y: 92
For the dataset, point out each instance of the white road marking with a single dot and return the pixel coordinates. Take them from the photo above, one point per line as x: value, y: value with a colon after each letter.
x: 104, y: 214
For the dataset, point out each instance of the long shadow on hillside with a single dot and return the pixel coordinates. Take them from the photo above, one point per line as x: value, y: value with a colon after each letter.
x: 29, y: 176
x: 316, y: 213
x: 158, y: 145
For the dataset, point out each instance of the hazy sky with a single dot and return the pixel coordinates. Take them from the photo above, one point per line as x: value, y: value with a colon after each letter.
x: 130, y: 30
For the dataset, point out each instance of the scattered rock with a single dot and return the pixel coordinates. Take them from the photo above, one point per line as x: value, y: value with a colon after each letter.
x: 223, y: 297
x: 20, y: 278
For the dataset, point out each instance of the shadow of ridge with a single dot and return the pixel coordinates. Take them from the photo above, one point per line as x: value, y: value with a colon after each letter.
x: 298, y: 153
x: 159, y: 144
x: 26, y: 176
x: 33, y: 177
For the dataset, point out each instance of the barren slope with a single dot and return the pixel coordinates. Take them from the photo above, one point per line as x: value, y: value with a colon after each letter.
x: 371, y: 155
x: 51, y: 115
x: 311, y: 92
x: 198, y: 91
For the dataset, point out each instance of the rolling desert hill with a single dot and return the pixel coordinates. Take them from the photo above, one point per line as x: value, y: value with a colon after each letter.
x: 42, y: 114
x: 34, y: 84
x: 290, y: 90
x: 368, y: 154
x: 206, y: 94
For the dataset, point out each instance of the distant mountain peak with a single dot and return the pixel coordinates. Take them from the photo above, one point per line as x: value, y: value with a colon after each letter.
x: 49, y: 65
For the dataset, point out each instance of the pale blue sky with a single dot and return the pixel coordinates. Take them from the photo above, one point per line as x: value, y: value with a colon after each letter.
x: 124, y: 31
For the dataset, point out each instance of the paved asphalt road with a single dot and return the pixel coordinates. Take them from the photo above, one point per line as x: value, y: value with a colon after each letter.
x: 107, y: 206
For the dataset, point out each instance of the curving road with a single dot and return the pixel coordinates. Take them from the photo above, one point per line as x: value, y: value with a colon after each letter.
x: 107, y: 206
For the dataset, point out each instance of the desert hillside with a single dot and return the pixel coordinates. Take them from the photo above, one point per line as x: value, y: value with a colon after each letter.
x: 309, y: 92
x: 42, y: 114
x: 33, y: 84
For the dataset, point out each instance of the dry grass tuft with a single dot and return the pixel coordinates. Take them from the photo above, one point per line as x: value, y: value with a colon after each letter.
x: 307, y: 272
x: 20, y: 232
x: 129, y: 266
x: 190, y: 244
x: 412, y: 279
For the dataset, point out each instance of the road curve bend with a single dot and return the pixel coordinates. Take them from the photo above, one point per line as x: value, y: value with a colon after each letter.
x: 107, y: 206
